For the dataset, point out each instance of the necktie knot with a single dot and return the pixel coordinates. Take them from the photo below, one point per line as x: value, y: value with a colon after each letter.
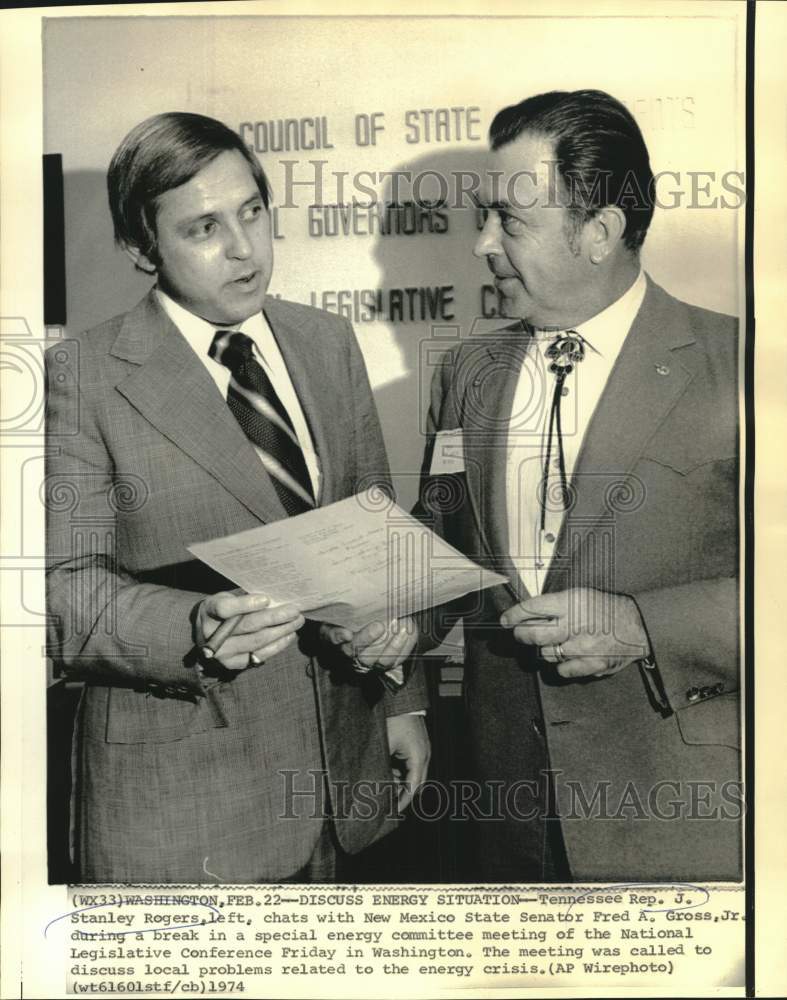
x: 233, y: 350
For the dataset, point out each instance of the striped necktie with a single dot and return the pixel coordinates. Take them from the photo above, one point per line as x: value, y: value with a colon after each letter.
x: 259, y: 411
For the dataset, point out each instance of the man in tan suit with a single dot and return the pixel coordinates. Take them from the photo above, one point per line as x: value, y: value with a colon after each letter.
x: 206, y: 410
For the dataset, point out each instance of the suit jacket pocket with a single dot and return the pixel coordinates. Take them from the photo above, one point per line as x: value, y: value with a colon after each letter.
x: 141, y: 717
x: 715, y: 722
x: 692, y: 503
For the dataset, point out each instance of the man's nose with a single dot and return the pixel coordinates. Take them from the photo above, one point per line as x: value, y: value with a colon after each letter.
x: 238, y: 243
x: 488, y: 242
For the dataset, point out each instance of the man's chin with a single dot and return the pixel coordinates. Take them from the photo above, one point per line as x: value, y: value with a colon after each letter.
x: 238, y: 311
x: 512, y: 307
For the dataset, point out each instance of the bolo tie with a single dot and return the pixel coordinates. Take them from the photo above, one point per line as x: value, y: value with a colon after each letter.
x: 564, y: 354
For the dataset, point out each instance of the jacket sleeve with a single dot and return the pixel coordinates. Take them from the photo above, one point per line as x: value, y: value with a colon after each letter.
x: 694, y: 626
x: 102, y: 623
x: 693, y: 632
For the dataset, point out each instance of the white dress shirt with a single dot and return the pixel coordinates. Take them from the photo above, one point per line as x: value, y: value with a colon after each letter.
x: 199, y: 334
x: 532, y: 548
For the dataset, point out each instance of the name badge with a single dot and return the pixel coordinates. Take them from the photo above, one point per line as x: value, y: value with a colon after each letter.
x: 449, y: 453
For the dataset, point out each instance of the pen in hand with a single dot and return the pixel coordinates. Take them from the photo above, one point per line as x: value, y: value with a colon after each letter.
x: 222, y: 633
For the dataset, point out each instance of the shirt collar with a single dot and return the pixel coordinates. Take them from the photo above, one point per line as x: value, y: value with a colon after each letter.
x: 199, y: 332
x: 605, y: 332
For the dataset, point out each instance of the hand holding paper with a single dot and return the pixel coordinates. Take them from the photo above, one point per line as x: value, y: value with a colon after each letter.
x: 377, y: 647
x: 350, y: 563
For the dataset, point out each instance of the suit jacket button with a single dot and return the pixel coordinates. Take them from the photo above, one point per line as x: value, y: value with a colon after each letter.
x: 693, y: 694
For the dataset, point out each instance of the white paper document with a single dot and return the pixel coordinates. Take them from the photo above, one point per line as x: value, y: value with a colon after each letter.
x: 350, y: 563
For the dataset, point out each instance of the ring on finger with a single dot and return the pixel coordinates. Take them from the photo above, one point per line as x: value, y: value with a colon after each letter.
x: 254, y: 660
x: 360, y: 667
x: 554, y: 654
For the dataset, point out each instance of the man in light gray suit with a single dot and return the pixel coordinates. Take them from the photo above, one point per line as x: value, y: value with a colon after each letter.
x: 601, y: 477
x: 206, y: 410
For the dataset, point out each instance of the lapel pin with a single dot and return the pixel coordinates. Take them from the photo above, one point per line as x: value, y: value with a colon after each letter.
x: 662, y: 369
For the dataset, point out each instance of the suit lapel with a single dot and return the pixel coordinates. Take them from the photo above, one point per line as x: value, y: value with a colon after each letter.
x: 173, y: 390
x: 306, y: 364
x: 645, y: 384
x: 489, y: 378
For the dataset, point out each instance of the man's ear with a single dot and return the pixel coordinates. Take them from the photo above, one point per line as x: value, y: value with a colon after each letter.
x: 604, y: 232
x: 141, y: 262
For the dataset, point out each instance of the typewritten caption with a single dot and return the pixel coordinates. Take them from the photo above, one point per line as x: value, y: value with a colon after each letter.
x: 224, y: 940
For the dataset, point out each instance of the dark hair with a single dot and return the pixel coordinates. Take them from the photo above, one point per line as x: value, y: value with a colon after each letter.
x: 157, y: 155
x: 601, y: 156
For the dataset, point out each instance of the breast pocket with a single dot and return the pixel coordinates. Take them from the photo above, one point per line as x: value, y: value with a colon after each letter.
x: 691, y: 505
x: 696, y: 467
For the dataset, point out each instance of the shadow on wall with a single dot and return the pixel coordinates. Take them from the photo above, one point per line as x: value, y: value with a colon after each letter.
x: 448, y: 301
